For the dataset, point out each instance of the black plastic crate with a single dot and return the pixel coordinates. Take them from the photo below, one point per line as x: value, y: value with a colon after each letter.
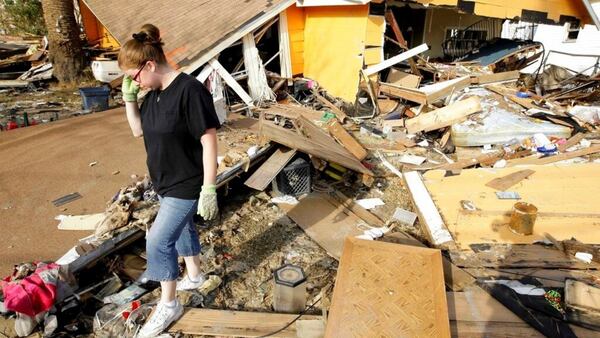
x: 294, y: 179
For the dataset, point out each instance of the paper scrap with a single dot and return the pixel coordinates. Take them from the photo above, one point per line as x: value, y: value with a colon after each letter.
x: 370, y: 203
x: 412, y: 159
x: 404, y: 216
x: 508, y: 195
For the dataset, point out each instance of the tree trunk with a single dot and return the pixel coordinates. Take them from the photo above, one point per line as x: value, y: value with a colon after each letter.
x: 66, y: 52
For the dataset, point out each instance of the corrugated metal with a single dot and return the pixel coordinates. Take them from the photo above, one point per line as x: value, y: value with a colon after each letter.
x: 189, y: 28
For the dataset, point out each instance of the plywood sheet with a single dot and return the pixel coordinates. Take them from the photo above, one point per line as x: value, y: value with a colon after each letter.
x: 326, y: 223
x: 564, y: 195
x: 236, y: 323
x: 334, y: 42
x: 375, y: 30
x: 379, y: 292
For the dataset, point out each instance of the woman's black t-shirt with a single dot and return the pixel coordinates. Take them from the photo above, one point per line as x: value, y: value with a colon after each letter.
x: 173, y: 120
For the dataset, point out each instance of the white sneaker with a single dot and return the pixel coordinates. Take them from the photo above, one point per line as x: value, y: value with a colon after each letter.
x: 161, y: 318
x: 187, y: 284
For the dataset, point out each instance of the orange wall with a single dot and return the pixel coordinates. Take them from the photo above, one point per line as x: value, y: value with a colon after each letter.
x: 296, y: 21
x: 94, y: 30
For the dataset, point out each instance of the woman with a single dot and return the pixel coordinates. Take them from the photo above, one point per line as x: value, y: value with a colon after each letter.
x: 178, y: 122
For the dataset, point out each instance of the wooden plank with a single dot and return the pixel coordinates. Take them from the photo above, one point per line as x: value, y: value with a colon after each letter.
x: 428, y: 214
x: 389, y: 301
x: 478, y: 306
x: 13, y: 84
x: 396, y: 59
x: 541, y: 160
x: 358, y: 210
x: 341, y: 116
x: 285, y: 58
x: 231, y: 82
x: 207, y: 322
x: 348, y: 141
x: 441, y: 90
x: 310, y: 140
x: 517, y: 256
x: 505, y: 182
x: 403, y: 79
x: 496, y: 77
x: 391, y: 18
x: 574, y: 140
x: 261, y: 178
x: 550, y: 278
x: 403, y: 93
x: 583, y: 303
x: 444, y: 117
x: 576, y: 183
x: 327, y: 224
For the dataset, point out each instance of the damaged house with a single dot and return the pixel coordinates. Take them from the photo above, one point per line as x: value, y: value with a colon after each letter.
x: 371, y: 150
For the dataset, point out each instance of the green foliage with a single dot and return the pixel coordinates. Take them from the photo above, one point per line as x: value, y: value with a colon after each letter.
x: 22, y: 17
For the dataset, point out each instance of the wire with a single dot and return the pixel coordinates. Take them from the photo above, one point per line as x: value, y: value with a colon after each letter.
x: 293, y: 321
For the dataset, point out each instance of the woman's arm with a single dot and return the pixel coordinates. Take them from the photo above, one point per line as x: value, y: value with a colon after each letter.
x: 133, y: 117
x: 209, y: 156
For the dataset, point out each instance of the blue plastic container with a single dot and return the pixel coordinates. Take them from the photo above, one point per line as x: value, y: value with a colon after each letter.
x: 95, y: 98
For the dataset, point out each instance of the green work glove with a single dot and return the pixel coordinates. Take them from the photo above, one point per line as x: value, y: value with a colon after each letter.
x: 130, y: 89
x: 207, y: 204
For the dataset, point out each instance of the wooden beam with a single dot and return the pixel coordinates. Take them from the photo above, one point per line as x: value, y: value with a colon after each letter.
x: 391, y: 19
x: 341, y: 116
x: 348, y: 141
x: 246, y: 28
x: 444, y: 117
x: 231, y: 82
x: 430, y: 218
x: 285, y: 58
x: 396, y: 59
x: 503, y: 183
x: 206, y: 322
x: 410, y: 94
x: 496, y: 77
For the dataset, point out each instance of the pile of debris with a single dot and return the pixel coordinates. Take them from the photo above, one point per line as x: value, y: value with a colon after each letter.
x: 468, y: 180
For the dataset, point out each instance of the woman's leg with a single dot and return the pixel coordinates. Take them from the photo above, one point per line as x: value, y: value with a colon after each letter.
x: 188, y: 246
x: 172, y: 218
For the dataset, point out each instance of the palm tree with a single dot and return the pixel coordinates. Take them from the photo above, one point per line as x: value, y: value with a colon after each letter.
x: 65, y: 45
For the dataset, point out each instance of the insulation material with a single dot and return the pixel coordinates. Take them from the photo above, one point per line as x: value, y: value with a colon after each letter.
x: 257, y: 78
x: 562, y: 195
x: 334, y: 46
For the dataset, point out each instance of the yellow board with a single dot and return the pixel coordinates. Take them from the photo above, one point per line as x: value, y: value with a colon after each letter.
x: 375, y: 31
x: 513, y: 8
x: 96, y: 32
x: 566, y: 197
x: 296, y: 20
x: 373, y: 55
x: 334, y: 46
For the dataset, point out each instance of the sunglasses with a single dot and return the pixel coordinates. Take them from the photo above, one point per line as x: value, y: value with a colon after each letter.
x: 137, y: 75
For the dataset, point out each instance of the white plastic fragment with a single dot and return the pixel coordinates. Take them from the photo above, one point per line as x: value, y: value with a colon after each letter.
x: 370, y: 203
x: 584, y: 257
x: 286, y: 199
x: 404, y: 216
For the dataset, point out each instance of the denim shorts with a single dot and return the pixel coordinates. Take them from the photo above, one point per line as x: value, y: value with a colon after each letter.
x: 173, y: 233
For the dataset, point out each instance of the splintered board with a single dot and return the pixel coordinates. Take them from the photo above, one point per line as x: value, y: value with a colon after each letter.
x: 566, y: 198
x: 388, y: 290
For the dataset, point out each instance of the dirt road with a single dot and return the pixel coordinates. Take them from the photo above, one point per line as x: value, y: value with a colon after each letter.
x: 42, y: 163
